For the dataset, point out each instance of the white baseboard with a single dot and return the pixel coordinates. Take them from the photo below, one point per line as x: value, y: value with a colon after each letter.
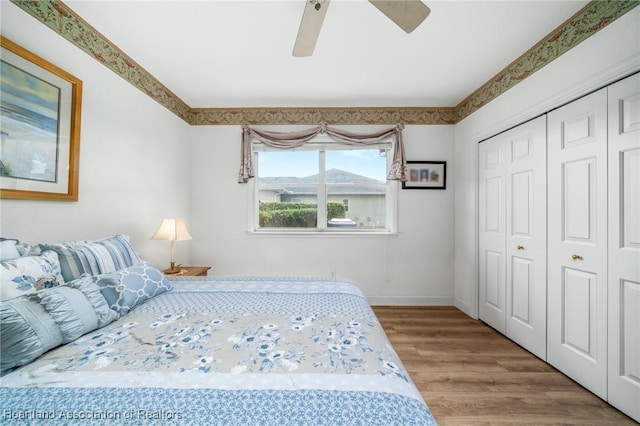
x: 464, y: 308
x: 409, y: 301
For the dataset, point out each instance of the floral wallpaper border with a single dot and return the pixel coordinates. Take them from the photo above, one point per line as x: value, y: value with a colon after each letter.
x: 589, y: 20
x: 585, y: 23
x: 61, y: 19
x: 314, y: 116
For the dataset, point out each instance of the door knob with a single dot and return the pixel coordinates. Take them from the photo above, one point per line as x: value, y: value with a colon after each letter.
x: 576, y: 257
x: 520, y: 247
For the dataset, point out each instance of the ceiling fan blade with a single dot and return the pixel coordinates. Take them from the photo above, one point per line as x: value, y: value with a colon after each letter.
x: 312, y: 18
x: 407, y: 14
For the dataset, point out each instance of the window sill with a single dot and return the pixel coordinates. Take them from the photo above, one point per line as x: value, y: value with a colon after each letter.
x: 321, y: 233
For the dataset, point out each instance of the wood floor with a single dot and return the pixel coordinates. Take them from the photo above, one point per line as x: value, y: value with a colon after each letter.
x: 471, y: 375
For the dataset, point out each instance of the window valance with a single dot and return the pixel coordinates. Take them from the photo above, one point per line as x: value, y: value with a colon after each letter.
x: 289, y: 140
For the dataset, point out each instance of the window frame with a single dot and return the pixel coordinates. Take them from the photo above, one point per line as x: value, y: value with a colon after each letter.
x: 321, y: 144
x: 347, y: 202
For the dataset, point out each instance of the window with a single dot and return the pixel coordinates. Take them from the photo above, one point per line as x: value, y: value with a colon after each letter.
x: 323, y: 186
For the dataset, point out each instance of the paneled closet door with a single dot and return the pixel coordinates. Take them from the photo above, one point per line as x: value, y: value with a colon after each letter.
x: 624, y: 245
x: 512, y: 239
x: 526, y: 236
x: 492, y: 233
x: 577, y: 240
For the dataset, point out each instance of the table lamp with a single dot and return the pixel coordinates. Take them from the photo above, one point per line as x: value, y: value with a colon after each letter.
x: 172, y: 230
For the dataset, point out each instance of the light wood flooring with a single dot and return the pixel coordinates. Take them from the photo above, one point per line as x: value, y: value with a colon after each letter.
x: 469, y: 374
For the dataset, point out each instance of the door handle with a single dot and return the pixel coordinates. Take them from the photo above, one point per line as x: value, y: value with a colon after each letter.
x: 576, y: 257
x: 519, y: 247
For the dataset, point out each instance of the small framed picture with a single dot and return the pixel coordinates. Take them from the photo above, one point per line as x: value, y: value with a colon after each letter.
x: 426, y: 175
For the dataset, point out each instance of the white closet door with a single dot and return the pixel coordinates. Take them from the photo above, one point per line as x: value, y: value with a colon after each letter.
x: 492, y: 232
x: 624, y: 246
x: 526, y: 236
x: 577, y: 239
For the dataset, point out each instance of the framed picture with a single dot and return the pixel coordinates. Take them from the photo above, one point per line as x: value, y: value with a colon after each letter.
x: 426, y: 175
x: 40, y: 124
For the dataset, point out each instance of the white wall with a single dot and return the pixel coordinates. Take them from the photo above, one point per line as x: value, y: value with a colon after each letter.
x: 414, y: 267
x: 140, y: 163
x: 133, y: 156
x: 605, y: 57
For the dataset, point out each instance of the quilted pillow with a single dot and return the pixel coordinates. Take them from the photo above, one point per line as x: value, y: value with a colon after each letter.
x: 33, y: 324
x: 92, y: 293
x: 77, y: 307
x: 26, y: 332
x: 132, y: 286
x: 28, y: 274
x: 94, y: 257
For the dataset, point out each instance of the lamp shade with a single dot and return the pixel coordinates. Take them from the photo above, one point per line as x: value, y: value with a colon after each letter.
x: 172, y: 230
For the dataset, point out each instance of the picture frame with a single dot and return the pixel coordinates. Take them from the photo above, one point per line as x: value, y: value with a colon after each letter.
x: 426, y: 175
x: 40, y: 123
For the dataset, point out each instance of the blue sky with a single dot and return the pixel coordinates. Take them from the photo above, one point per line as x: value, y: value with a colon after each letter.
x: 29, y: 92
x: 367, y: 163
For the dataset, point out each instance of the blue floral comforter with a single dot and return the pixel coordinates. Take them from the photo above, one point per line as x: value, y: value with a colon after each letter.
x: 226, y: 350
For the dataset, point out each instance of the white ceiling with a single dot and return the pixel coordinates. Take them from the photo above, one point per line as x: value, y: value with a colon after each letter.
x: 238, y: 53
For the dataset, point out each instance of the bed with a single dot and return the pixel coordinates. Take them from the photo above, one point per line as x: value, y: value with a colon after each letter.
x: 204, y: 350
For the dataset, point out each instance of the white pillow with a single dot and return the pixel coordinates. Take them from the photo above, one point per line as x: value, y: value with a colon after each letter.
x: 8, y: 249
x: 28, y: 274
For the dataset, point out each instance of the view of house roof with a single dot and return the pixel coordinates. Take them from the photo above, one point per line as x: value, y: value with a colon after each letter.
x: 332, y: 176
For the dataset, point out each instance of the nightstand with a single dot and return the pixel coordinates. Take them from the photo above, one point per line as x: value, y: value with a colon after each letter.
x: 191, y: 271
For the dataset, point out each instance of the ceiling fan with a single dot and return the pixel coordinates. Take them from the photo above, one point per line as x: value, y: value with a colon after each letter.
x: 407, y: 14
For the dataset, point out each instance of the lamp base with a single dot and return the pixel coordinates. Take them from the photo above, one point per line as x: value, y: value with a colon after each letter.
x: 173, y: 269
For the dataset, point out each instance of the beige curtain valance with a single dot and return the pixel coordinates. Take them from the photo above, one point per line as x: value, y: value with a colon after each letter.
x: 289, y: 140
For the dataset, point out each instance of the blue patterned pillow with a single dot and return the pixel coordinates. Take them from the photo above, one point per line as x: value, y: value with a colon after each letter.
x: 132, y: 286
x: 28, y: 274
x: 94, y: 257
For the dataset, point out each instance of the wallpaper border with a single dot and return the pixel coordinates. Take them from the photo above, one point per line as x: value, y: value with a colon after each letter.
x: 313, y: 116
x: 60, y: 18
x: 589, y: 20
x: 586, y: 22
